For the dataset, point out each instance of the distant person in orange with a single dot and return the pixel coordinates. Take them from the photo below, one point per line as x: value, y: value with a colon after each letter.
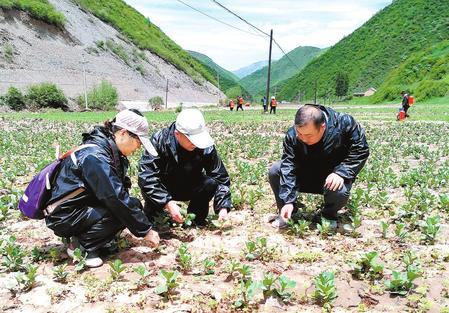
x: 240, y: 103
x: 273, y: 104
x: 405, y: 102
x: 231, y: 105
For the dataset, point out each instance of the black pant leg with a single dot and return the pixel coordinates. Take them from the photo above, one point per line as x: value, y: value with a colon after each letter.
x: 274, y: 179
x: 201, y: 195
x: 335, y: 200
x: 100, y: 233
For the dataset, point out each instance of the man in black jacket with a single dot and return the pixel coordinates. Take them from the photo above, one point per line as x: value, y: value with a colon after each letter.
x: 323, y: 153
x: 187, y: 168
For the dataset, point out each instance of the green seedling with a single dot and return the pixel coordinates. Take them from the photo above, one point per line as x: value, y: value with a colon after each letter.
x: 54, y: 255
x: 325, y: 228
x: 209, y: 266
x: 384, y: 227
x: 268, y: 285
x: 402, y: 282
x: 169, y: 284
x: 144, y: 275
x: 325, y: 291
x: 430, y: 229
x: 37, y: 254
x: 366, y: 266
x: 410, y: 259
x: 79, y: 259
x: 247, y: 290
x: 13, y: 255
x: 184, y: 257
x: 400, y: 231
x: 284, y: 284
x: 259, y: 250
x: 116, y: 269
x: 300, y: 228
x: 27, y: 280
x: 60, y: 274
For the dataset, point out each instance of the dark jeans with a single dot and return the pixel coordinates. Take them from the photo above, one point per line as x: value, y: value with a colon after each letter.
x: 239, y: 106
x: 273, y: 109
x: 199, y: 194
x: 333, y: 200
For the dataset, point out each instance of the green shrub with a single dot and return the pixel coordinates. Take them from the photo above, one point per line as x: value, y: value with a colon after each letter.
x: 156, y: 103
x: 14, y: 99
x: 39, y: 9
x: 432, y: 88
x: 46, y: 95
x: 8, y: 53
x: 102, y: 97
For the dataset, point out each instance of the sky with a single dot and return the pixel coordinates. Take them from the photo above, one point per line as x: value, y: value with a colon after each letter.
x: 318, y: 23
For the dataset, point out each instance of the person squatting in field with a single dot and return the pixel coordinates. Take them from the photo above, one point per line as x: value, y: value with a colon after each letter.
x: 186, y: 167
x: 102, y: 206
x: 323, y: 153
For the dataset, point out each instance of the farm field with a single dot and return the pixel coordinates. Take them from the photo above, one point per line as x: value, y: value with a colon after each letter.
x: 394, y: 257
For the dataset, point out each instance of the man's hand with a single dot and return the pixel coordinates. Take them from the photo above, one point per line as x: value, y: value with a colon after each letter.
x: 175, y: 211
x: 286, y: 211
x: 222, y: 214
x: 152, y: 238
x: 334, y: 182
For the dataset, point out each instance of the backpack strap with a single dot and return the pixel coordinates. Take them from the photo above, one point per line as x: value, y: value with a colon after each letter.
x: 72, y: 152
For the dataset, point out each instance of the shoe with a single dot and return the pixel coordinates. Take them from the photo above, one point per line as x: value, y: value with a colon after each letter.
x: 72, y: 246
x: 93, y: 260
x: 279, y: 223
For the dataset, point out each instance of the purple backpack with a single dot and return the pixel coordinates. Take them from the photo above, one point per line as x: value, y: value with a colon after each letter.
x: 38, y: 191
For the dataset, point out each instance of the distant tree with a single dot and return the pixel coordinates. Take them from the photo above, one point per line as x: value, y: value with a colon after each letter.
x: 341, y: 84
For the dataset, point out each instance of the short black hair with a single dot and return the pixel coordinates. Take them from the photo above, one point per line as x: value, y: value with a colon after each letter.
x: 309, y: 113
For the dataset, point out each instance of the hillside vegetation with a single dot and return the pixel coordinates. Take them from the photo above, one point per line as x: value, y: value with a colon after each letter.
x: 228, y: 81
x: 425, y: 74
x: 39, y: 9
x: 145, y: 35
x: 373, y: 51
x: 282, y: 69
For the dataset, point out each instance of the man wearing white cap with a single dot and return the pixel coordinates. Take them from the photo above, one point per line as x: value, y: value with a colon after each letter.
x: 187, y: 168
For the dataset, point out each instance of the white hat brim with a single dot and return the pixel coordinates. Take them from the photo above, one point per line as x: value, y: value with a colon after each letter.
x: 148, y: 146
x: 202, y: 140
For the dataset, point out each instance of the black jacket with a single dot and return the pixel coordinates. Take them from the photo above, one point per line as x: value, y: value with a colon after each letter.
x: 160, y: 174
x: 342, y: 150
x: 101, y: 170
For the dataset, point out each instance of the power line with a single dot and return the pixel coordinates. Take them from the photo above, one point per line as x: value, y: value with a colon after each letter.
x: 288, y: 57
x: 239, y: 17
x: 215, y: 19
x: 258, y: 29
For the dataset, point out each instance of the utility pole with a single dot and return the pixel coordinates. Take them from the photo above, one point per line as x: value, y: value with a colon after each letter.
x: 218, y: 80
x: 166, y: 95
x: 315, y: 89
x: 269, y: 67
x: 84, y: 79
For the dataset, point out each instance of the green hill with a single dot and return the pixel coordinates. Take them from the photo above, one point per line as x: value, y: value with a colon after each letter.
x: 249, y: 69
x: 228, y: 81
x: 373, y: 51
x: 280, y: 70
x: 146, y: 35
x: 424, y: 74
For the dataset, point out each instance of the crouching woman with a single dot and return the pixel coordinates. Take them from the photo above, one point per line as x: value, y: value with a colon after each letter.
x: 89, y: 199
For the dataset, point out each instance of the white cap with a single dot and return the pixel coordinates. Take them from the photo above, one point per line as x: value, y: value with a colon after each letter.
x: 191, y: 123
x: 138, y: 125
